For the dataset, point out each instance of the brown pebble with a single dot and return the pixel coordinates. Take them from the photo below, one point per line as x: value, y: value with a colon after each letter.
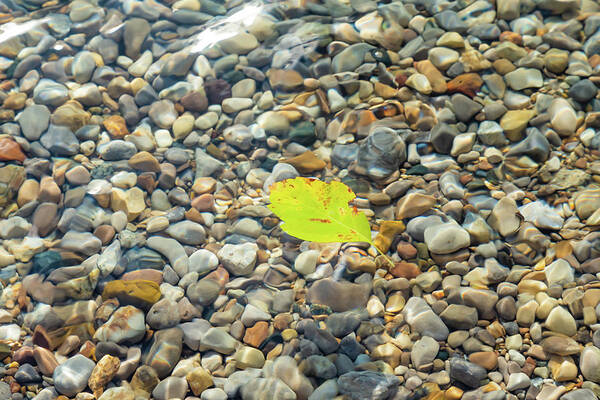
x: 147, y: 181
x: 285, y: 79
x: 581, y: 163
x: 15, y: 101
x: 204, y: 202
x: 485, y: 359
x: 45, y: 218
x: 24, y: 355
x: 255, y: 335
x: 282, y: 321
x: 70, y: 344
x: 10, y: 150
x: 45, y: 360
x: 105, y: 233
x: 503, y: 66
x: 195, y: 101
x: 306, y: 162
x: 145, y: 274
x: 49, y: 190
x: 145, y: 162
x: 28, y: 192
x: 194, y: 215
x: 467, y: 84
x: 204, y: 185
x: 406, y: 250
x: 40, y: 337
x: 88, y: 349
x: 405, y: 270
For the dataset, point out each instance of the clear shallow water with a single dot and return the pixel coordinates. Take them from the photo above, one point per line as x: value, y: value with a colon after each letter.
x: 138, y: 143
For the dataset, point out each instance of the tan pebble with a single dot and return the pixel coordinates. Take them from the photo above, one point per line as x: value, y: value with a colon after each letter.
x: 78, y: 175
x: 145, y: 162
x: 413, y: 204
x: 49, y: 190
x: 28, y: 192
x: 199, y: 380
x: 104, y: 371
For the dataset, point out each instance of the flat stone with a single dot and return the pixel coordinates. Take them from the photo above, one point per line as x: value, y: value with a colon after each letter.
x: 164, y: 351
x: 339, y: 295
x: 173, y: 251
x: 423, y: 320
x: 139, y: 293
x: 589, y: 363
x: 466, y: 372
x: 267, y: 389
x: 523, y: 78
x: 239, y: 259
x: 424, y: 352
x: 446, y: 238
x: 367, y: 385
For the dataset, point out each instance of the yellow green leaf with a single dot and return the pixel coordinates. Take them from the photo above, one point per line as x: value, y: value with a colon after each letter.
x: 317, y: 211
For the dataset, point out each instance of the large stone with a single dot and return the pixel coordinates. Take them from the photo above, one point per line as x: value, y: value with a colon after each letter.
x: 72, y: 376
x: 139, y: 293
x: 339, y: 295
x: 164, y: 351
x: 359, y: 385
x: 423, y: 320
x: 126, y: 325
x: 239, y: 259
x: 446, y: 238
x: 589, y: 363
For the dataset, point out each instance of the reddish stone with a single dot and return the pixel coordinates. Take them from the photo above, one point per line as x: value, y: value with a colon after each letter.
x: 147, y: 181
x: 204, y: 202
x: 116, y: 126
x: 529, y: 366
x: 194, y: 101
x: 15, y: 387
x: 105, y: 233
x: 10, y: 150
x: 401, y: 79
x: 581, y: 163
x: 467, y: 84
x: 484, y: 165
x: 145, y: 274
x: 24, y: 355
x: 45, y: 360
x: 485, y: 359
x: 508, y: 36
x: 219, y: 275
x: 40, y: 337
x: 406, y: 250
x: 194, y: 215
x: 405, y: 270
x: 257, y: 334
x: 88, y: 349
x: 282, y: 321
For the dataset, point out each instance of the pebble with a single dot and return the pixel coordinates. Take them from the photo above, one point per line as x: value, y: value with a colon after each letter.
x: 138, y: 150
x: 71, y: 377
x: 367, y: 384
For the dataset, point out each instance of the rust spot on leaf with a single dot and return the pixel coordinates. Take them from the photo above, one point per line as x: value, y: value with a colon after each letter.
x: 323, y: 220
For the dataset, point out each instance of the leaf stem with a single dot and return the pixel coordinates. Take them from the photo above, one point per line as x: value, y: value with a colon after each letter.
x: 392, y: 263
